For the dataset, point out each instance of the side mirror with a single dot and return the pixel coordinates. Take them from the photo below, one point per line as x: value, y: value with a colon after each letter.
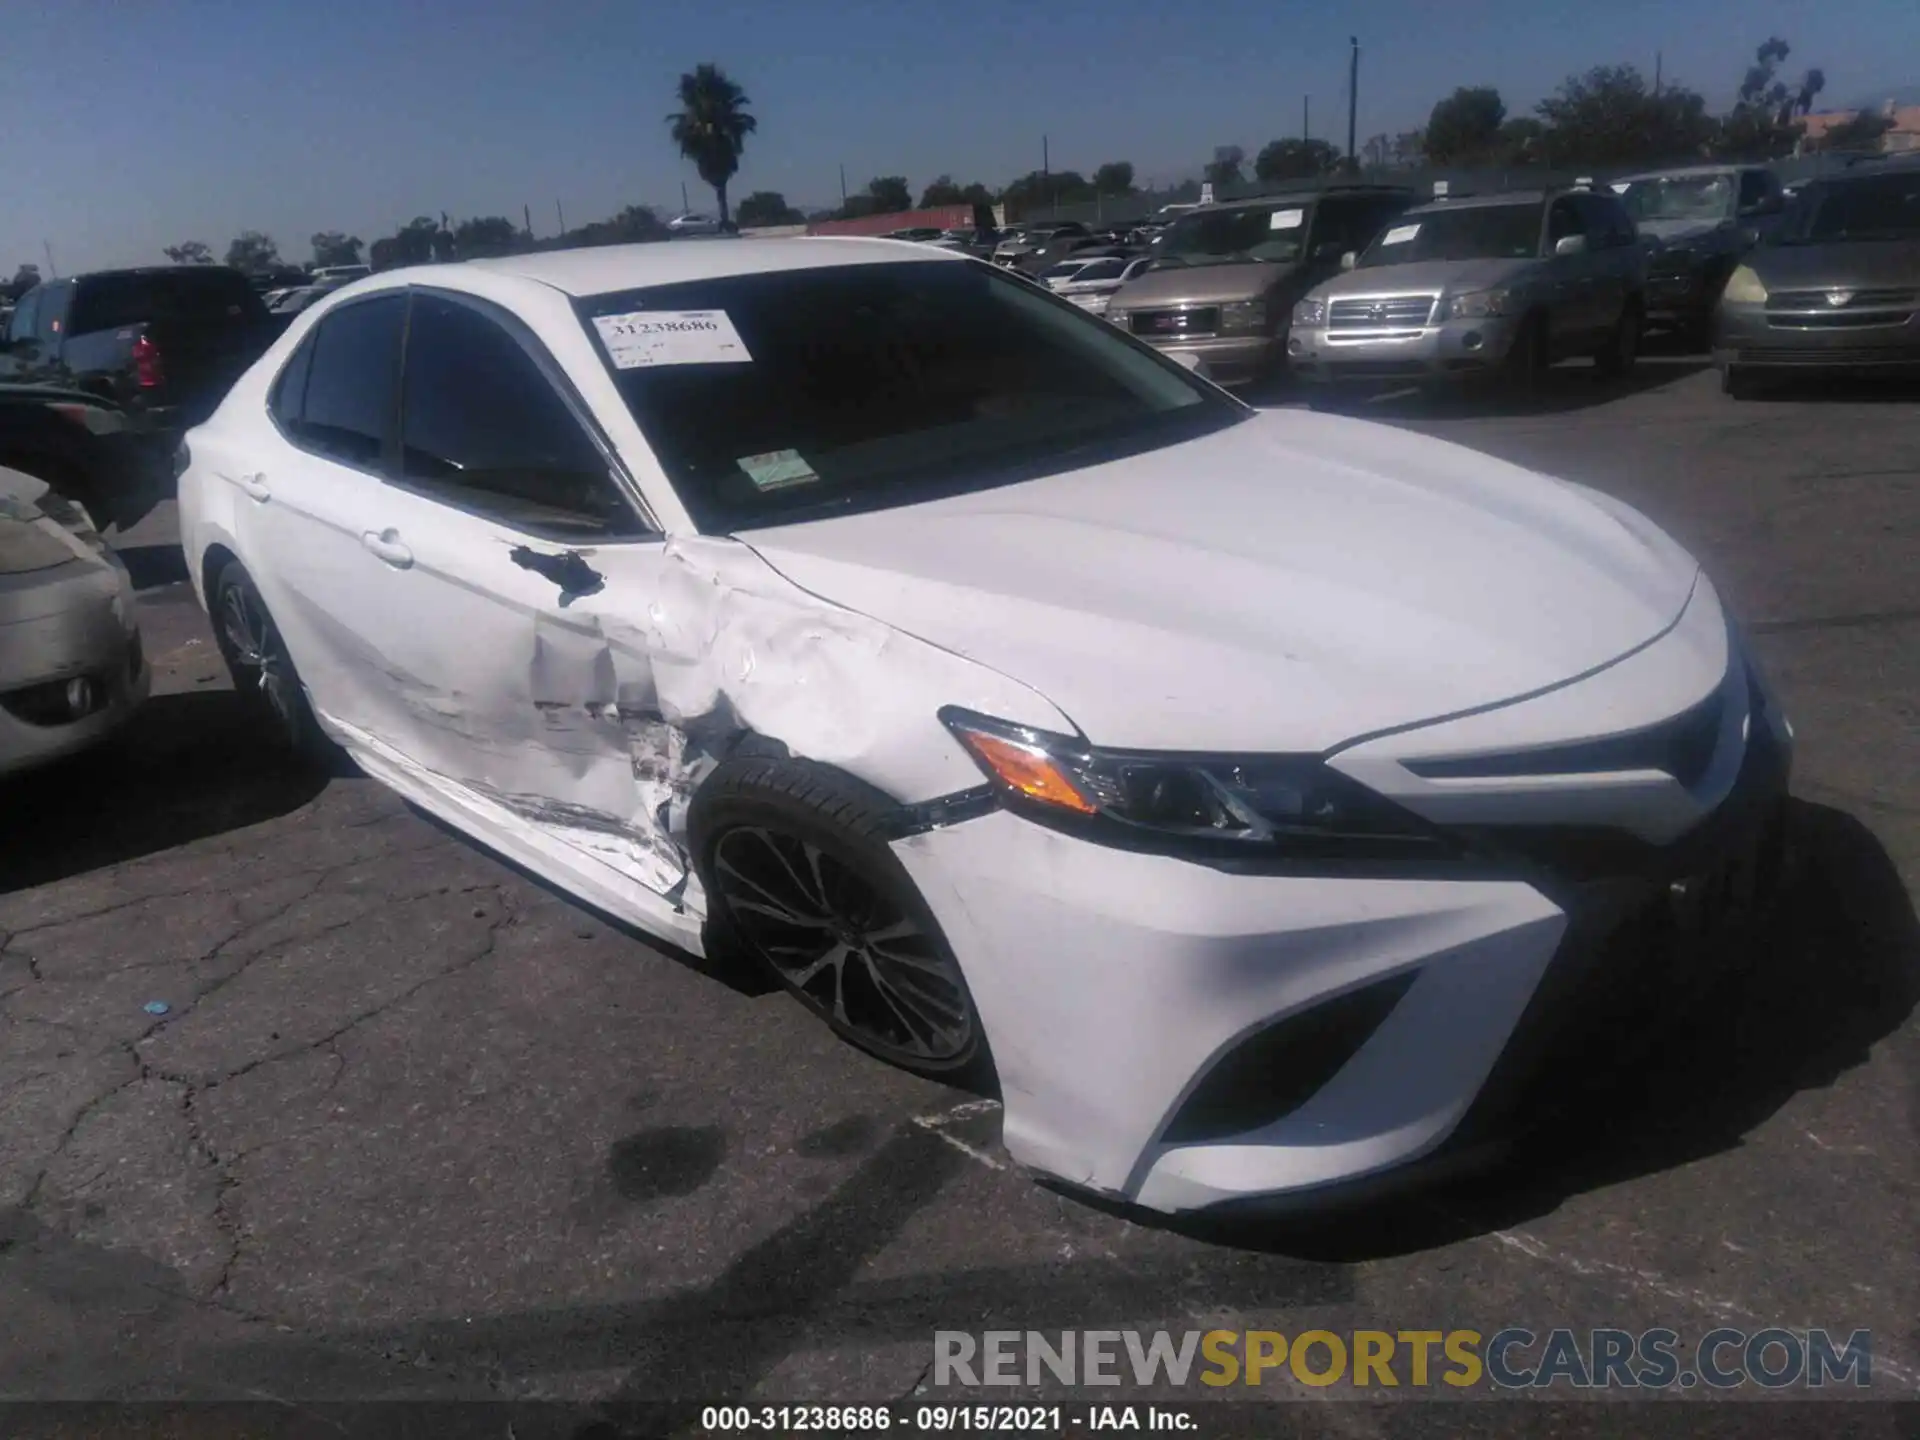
x: 1190, y: 361
x: 1349, y: 260
x: 1765, y: 205
x: 1332, y: 250
x: 1570, y: 245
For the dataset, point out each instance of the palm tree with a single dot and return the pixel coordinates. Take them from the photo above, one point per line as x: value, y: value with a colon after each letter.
x: 711, y: 127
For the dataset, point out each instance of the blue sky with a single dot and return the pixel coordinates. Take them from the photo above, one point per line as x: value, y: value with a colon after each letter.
x: 129, y: 126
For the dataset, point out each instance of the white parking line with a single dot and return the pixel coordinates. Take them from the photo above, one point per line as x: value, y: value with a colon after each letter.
x: 1647, y: 1282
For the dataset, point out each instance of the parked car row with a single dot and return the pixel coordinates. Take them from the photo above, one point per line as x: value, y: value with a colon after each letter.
x: 1351, y: 285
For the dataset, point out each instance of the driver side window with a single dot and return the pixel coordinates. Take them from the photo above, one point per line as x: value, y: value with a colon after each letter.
x: 483, y: 428
x: 1563, y: 219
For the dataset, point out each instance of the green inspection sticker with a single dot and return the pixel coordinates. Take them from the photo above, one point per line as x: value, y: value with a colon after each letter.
x: 777, y: 469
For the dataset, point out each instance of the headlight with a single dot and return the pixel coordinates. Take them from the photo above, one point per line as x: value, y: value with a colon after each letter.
x: 1278, y: 807
x: 1310, y: 313
x: 1478, y: 304
x: 1243, y: 315
x: 1744, y: 287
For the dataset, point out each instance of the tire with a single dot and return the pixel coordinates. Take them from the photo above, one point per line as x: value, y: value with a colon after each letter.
x: 795, y: 860
x: 263, y: 672
x: 1526, y: 361
x: 1616, y: 358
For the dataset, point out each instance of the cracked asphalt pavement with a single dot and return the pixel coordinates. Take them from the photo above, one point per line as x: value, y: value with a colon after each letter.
x: 304, y: 1098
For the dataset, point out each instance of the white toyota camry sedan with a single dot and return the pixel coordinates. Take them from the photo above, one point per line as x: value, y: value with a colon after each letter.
x: 1257, y: 801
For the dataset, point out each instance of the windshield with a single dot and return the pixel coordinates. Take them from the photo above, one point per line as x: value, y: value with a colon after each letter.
x: 1065, y: 270
x: 1680, y: 197
x: 790, y: 394
x: 1879, y: 207
x: 1478, y: 232
x: 1271, y: 233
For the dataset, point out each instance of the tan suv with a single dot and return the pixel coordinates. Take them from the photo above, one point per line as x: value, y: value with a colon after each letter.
x: 1225, y: 278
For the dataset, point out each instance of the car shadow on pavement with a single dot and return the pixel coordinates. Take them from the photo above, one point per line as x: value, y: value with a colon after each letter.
x: 1838, y: 972
x: 1561, y: 390
x: 186, y: 767
x: 151, y: 566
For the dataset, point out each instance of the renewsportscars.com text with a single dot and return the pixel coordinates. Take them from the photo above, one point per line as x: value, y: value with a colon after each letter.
x: 1512, y: 1358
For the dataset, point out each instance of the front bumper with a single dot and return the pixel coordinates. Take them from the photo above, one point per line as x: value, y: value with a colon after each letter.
x: 1230, y: 359
x: 76, y: 622
x: 1117, y: 987
x: 1451, y: 350
x: 1745, y: 335
x: 1678, y: 296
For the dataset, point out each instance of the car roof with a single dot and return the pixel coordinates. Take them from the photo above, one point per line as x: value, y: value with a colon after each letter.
x: 1488, y: 202
x: 606, y: 269
x: 1680, y: 172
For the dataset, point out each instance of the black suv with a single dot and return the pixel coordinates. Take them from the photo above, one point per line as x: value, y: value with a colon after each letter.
x: 165, y: 342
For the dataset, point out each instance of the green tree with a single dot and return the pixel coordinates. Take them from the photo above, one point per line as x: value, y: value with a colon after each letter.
x: 767, y: 207
x: 252, y: 250
x: 941, y: 190
x: 1409, y: 148
x: 1763, y: 123
x: 1114, y: 178
x: 1294, y: 159
x: 1860, y: 131
x: 1609, y: 116
x: 1521, y: 141
x: 1224, y: 168
x: 1038, y: 190
x: 335, y: 247
x: 711, y: 127
x: 190, y: 252
x: 890, y: 194
x: 485, y: 235
x: 1463, y: 127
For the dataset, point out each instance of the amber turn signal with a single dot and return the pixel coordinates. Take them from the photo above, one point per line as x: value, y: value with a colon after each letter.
x: 1022, y: 768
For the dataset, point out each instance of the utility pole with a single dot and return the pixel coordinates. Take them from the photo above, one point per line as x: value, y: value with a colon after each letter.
x: 1046, y: 174
x: 526, y: 213
x: 1353, y: 102
x: 52, y: 273
x: 843, y: 187
x: 1658, y: 59
x: 560, y: 215
x: 684, y: 206
x: 1306, y: 117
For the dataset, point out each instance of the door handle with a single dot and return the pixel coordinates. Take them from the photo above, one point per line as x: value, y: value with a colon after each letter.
x: 387, y: 545
x: 256, y: 487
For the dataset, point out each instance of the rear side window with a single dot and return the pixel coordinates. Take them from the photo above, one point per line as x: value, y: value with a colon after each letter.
x: 484, y: 427
x: 289, y: 395
x: 347, y: 409
x: 215, y: 294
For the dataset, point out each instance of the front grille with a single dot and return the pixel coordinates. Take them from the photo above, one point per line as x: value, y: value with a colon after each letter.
x: 1838, y: 319
x: 1199, y: 320
x: 1819, y: 300
x: 1384, y: 312
x: 1681, y: 747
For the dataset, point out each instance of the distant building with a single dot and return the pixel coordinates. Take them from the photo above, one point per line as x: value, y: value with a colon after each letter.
x: 1904, y: 136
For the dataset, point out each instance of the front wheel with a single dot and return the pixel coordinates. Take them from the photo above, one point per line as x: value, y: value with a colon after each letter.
x: 1526, y: 362
x: 1616, y: 358
x: 798, y: 870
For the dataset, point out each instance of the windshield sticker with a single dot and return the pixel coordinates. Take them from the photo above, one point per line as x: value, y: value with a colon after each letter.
x: 777, y: 469
x: 1286, y: 219
x: 1399, y: 234
x: 646, y: 338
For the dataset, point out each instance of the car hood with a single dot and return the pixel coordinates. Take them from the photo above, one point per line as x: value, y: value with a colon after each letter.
x: 1284, y: 584
x: 1843, y: 263
x: 1432, y: 275
x: 1204, y: 284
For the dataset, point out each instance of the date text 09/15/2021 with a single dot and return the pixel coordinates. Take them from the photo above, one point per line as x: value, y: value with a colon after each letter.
x: 943, y: 1419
